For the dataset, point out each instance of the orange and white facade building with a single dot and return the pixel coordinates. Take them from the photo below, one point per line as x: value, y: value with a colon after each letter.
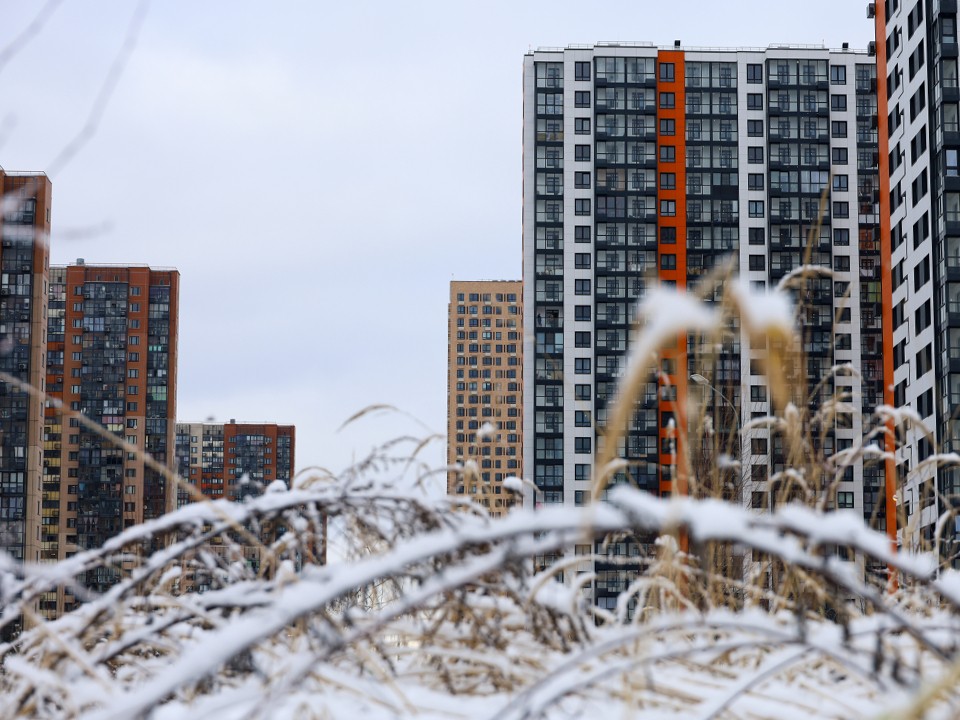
x: 919, y: 95
x: 646, y: 165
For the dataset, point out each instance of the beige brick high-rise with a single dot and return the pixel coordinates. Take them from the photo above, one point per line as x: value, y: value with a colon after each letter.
x: 485, y: 390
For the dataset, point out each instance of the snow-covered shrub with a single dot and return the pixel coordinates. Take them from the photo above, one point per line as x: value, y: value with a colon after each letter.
x: 427, y: 607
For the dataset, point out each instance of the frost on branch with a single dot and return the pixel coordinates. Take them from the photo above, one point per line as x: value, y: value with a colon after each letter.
x: 466, y: 616
x: 429, y: 608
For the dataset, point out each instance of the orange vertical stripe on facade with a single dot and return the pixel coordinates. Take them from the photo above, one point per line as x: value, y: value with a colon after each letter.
x: 678, y: 276
x: 886, y: 275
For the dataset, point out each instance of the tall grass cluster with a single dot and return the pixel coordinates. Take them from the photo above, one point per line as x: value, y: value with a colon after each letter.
x: 427, y: 607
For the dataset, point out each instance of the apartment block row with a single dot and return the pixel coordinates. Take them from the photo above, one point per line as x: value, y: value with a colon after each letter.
x: 88, y: 434
x: 677, y: 166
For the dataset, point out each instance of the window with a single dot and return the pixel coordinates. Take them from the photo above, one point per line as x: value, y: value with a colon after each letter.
x: 581, y: 99
x: 755, y: 128
x: 581, y: 153
x: 754, y: 101
x: 581, y: 180
x: 666, y: 72
x: 755, y: 155
x: 668, y: 126
x: 924, y: 361
x: 841, y: 209
x: 756, y: 236
x: 925, y: 404
x: 668, y: 153
x: 918, y: 102
x: 581, y: 261
x: 668, y: 181
x: 838, y: 103
x: 668, y: 208
x: 581, y: 445
x: 838, y: 129
x: 581, y: 418
x: 758, y: 262
x: 922, y: 317
x: 581, y: 233
x: 581, y: 287
x: 668, y: 235
x: 581, y: 391
x: 755, y: 181
x: 581, y: 313
x: 549, y: 103
x: 839, y: 156
x: 844, y: 500
x: 581, y: 366
x: 756, y: 208
x: 581, y: 126
x: 921, y: 273
x: 838, y: 75
x: 668, y: 100
x: 581, y: 339
x: 668, y: 262
x: 841, y: 236
x: 841, y: 183
x: 918, y: 145
x: 918, y: 188
x: 754, y: 74
x: 581, y: 71
x: 841, y: 263
x: 581, y: 206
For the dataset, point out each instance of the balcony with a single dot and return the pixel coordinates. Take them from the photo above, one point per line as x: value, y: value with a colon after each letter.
x: 953, y: 320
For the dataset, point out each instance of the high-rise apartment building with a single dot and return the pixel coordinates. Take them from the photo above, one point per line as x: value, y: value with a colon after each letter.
x: 916, y: 52
x: 485, y: 389
x: 25, y: 230
x: 646, y: 165
x: 234, y: 460
x: 112, y: 358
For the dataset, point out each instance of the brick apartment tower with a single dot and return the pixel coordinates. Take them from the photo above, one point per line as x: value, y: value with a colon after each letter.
x: 111, y: 356
x: 25, y: 230
x: 213, y: 457
x: 485, y: 385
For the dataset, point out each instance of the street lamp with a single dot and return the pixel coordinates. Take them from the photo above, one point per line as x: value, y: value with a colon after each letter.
x: 703, y: 382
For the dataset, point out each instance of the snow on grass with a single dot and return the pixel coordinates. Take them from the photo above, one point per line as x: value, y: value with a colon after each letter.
x: 470, y: 632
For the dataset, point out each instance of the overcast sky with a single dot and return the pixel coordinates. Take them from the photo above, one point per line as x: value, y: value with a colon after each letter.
x: 319, y: 172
